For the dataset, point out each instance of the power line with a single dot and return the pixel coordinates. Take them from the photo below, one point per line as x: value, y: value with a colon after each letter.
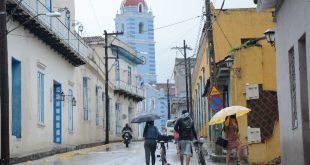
x: 224, y: 34
x: 162, y: 27
x: 95, y: 15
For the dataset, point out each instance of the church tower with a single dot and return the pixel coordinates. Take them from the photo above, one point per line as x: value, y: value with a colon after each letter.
x: 137, y: 22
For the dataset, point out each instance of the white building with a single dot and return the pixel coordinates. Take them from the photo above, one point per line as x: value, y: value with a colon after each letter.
x: 293, y: 63
x: 50, y: 66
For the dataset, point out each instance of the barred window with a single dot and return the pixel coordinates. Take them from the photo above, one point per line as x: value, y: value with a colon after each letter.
x: 291, y: 57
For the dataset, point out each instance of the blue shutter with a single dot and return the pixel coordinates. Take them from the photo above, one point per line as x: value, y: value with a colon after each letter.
x: 16, y: 98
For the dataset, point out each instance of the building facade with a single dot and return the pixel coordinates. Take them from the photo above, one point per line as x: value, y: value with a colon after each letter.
x: 57, y: 83
x: 292, y: 49
x: 137, y: 22
x: 179, y: 101
x: 232, y: 30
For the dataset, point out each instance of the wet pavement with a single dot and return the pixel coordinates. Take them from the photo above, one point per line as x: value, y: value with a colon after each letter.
x: 112, y: 154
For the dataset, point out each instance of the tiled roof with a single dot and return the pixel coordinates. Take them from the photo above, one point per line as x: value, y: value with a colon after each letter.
x: 133, y: 2
x: 93, y: 39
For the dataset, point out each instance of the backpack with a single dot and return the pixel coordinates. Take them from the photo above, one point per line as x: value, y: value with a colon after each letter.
x: 186, y: 124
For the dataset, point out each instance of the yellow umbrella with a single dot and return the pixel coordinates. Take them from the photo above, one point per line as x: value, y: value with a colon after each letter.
x: 220, y: 116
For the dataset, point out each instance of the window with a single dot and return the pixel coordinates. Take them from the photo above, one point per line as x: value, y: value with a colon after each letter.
x: 48, y: 4
x: 70, y: 111
x: 40, y: 77
x: 292, y: 73
x: 140, y: 8
x: 16, y: 98
x: 118, y: 115
x: 141, y: 28
x: 129, y: 75
x: 86, y: 97
x: 117, y: 73
x: 99, y: 106
x: 123, y: 28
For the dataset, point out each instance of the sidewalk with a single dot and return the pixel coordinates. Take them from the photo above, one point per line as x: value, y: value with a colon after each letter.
x: 209, y: 150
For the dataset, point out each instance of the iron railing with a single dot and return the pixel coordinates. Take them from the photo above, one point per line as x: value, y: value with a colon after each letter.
x: 121, y: 85
x: 56, y: 26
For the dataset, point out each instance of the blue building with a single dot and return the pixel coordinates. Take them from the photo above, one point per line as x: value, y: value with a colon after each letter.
x: 137, y: 22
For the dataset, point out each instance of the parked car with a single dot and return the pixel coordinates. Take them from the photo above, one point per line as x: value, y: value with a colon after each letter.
x: 170, y: 127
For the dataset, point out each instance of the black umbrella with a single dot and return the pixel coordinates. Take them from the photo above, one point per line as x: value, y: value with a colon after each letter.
x: 145, y: 118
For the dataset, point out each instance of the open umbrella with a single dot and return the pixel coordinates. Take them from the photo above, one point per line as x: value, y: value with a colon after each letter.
x: 220, y: 116
x: 145, y: 118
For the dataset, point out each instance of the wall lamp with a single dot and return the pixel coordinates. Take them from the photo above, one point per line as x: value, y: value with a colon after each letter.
x: 63, y: 97
x: 229, y: 61
x: 270, y: 36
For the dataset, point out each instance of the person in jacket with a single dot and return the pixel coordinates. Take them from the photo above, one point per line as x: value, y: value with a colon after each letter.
x: 127, y: 128
x: 185, y: 127
x: 150, y: 135
x: 231, y: 130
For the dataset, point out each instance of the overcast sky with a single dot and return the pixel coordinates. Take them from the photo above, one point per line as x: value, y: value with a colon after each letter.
x: 98, y: 15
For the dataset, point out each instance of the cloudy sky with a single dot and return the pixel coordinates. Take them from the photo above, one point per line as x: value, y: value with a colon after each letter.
x: 98, y: 15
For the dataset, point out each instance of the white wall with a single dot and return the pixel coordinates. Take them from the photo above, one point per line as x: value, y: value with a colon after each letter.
x: 292, y: 23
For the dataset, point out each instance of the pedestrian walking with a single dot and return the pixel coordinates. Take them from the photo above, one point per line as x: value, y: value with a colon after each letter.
x: 150, y: 135
x: 176, y: 140
x: 185, y: 127
x: 231, y: 130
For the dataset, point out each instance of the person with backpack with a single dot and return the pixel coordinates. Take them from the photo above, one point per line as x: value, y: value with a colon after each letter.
x: 150, y: 135
x: 185, y: 127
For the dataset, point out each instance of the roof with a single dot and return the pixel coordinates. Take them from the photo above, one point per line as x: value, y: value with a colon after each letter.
x: 93, y: 39
x: 133, y: 2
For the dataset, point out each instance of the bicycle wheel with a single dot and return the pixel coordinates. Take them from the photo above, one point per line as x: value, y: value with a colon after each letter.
x: 201, y: 158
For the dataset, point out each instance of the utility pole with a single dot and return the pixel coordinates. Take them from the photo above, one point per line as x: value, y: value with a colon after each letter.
x: 107, y: 100
x: 168, y: 97
x: 190, y: 85
x: 186, y: 75
x: 185, y: 48
x: 4, y: 86
x: 209, y: 29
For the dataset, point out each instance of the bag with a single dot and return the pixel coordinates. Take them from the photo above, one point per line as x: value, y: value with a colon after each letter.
x: 186, y: 125
x: 221, y: 142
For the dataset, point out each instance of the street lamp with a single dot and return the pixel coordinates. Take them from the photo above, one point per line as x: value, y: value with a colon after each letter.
x: 229, y: 61
x: 52, y: 14
x: 270, y: 36
x: 63, y: 97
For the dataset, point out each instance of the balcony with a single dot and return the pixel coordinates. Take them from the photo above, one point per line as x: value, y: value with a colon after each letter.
x: 128, y: 91
x: 51, y: 31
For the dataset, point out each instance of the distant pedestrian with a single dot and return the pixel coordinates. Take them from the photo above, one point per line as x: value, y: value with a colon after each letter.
x: 232, y: 135
x: 150, y: 135
x: 185, y: 127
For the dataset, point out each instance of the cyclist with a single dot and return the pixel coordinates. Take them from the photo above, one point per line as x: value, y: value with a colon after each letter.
x: 185, y: 127
x: 150, y: 135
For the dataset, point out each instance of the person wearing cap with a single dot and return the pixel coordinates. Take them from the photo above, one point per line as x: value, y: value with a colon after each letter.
x: 185, y: 127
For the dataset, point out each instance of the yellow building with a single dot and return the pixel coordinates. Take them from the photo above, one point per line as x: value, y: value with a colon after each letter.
x: 254, y: 71
x: 252, y: 65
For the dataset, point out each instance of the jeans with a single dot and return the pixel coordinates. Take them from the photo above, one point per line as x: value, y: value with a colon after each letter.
x: 150, y: 148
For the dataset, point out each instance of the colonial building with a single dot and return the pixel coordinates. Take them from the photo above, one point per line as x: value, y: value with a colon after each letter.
x: 137, y: 22
x: 57, y: 82
x: 292, y: 48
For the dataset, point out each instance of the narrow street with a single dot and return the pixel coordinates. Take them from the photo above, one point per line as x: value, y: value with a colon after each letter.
x: 113, y: 154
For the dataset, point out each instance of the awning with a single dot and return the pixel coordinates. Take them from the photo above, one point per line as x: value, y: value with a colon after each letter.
x: 265, y: 4
x: 123, y: 53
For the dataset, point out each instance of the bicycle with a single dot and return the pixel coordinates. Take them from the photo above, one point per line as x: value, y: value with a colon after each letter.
x: 163, y: 157
x: 198, y: 149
